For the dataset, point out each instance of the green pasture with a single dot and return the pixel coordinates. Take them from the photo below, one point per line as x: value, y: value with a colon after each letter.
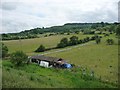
x: 34, y: 76
x: 101, y: 58
x: 30, y: 45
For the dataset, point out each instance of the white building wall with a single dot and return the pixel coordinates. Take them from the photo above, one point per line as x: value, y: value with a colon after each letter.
x: 44, y: 64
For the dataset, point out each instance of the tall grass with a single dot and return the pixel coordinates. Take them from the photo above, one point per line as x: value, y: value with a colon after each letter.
x: 34, y: 76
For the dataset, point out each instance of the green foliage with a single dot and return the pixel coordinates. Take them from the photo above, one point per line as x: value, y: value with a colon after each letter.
x: 28, y: 46
x: 110, y: 41
x: 19, y: 58
x: 63, y: 43
x: 88, y: 32
x: 98, y: 40
x: 96, y: 55
x: 77, y: 32
x: 94, y: 26
x: 69, y: 27
x: 118, y: 30
x: 106, y: 34
x: 102, y: 24
x: 73, y: 40
x: 68, y: 33
x: 86, y: 39
x: 46, y: 78
x: 112, y: 28
x: 80, y: 41
x: 4, y: 50
x: 41, y: 48
x: 32, y: 78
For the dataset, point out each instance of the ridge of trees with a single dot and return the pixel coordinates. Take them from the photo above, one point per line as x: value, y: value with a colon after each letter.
x: 86, y: 28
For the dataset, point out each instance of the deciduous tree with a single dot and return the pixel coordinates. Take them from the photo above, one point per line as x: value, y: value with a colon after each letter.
x: 41, y: 48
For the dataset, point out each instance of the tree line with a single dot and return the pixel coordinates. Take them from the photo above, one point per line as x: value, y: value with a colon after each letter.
x: 86, y: 28
x: 64, y: 42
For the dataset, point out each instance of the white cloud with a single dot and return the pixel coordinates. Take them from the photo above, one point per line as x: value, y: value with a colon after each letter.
x: 19, y: 15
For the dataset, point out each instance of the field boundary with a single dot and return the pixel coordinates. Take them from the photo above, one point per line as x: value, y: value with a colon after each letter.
x: 67, y: 48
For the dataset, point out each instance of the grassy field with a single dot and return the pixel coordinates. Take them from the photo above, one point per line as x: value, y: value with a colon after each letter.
x: 30, y: 45
x: 33, y: 76
x: 101, y: 58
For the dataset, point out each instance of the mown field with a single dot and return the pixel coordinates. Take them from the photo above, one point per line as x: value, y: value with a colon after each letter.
x: 101, y: 58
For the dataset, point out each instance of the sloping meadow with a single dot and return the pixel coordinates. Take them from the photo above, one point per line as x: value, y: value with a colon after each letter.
x: 34, y: 76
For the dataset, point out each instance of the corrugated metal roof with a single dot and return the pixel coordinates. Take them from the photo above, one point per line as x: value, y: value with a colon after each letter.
x: 47, y: 58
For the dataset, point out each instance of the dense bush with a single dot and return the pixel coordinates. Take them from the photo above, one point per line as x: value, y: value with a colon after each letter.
x: 63, y: 43
x: 4, y: 50
x: 73, y: 40
x: 106, y: 34
x: 80, y: 41
x: 110, y: 41
x: 98, y: 40
x: 95, y: 37
x: 118, y: 30
x: 19, y: 58
x: 77, y: 32
x: 41, y: 48
x: 86, y: 39
x: 88, y: 32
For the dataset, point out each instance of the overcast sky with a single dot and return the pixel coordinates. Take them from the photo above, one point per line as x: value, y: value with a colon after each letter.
x: 19, y: 15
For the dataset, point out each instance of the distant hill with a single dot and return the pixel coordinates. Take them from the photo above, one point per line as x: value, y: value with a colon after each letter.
x: 68, y: 27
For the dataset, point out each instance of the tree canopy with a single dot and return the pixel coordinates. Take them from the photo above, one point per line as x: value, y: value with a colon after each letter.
x: 41, y: 48
x: 74, y: 40
x: 63, y: 43
x: 110, y: 41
